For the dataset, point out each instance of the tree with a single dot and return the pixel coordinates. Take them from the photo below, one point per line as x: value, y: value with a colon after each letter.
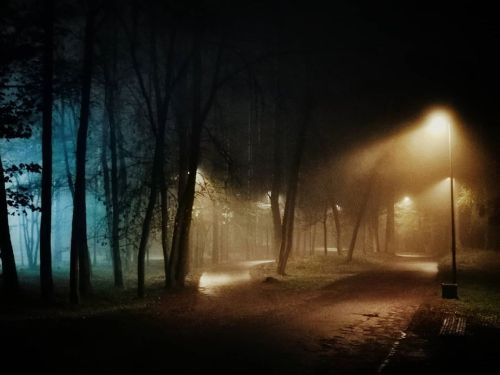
x: 277, y: 169
x: 46, y: 282
x: 111, y: 177
x: 336, y: 219
x: 6, y: 251
x: 16, y: 113
x: 292, y: 185
x: 157, y: 113
x: 79, y: 256
x: 325, y: 229
x: 389, y: 229
x: 361, y: 212
x: 179, y: 254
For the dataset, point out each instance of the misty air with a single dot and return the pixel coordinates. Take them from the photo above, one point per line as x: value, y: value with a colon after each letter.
x: 249, y: 187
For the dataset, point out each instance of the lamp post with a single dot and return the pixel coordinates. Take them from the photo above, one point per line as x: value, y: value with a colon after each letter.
x: 453, y: 243
x: 438, y: 121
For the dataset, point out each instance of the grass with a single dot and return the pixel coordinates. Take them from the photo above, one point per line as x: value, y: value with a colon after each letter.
x: 478, y: 274
x: 303, y: 275
x: 314, y: 272
x: 103, y: 298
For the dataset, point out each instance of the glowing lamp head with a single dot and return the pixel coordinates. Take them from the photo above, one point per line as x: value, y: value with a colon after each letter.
x: 438, y: 122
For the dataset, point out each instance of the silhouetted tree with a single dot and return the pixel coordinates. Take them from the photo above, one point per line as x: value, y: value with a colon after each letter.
x: 292, y: 185
x: 6, y: 250
x: 46, y: 282
x: 111, y: 177
x: 179, y: 255
x: 361, y: 213
x: 80, y: 261
x: 277, y: 167
x: 17, y: 102
x: 156, y: 93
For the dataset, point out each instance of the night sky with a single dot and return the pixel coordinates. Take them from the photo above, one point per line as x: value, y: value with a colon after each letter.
x: 387, y: 62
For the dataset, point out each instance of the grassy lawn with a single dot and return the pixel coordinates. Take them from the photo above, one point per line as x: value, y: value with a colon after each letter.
x: 478, y: 274
x: 316, y: 271
x: 104, y: 297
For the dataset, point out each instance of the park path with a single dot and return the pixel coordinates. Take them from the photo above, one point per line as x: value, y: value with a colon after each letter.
x: 354, y: 325
x: 235, y: 324
x: 358, y: 323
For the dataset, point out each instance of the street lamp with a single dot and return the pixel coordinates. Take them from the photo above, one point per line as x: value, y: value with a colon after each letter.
x: 438, y: 122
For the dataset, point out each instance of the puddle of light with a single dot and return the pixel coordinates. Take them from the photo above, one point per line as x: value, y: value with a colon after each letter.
x: 410, y: 255
x: 428, y: 267
x: 209, y: 281
x: 251, y: 263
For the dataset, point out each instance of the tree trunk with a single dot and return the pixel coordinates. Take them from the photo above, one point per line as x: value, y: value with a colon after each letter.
x: 359, y: 217
x: 215, y: 234
x: 80, y: 261
x: 374, y: 233
x: 338, y: 233
x: 298, y: 240
x: 304, y: 247
x: 325, y: 230
x: 179, y: 256
x: 164, y: 223
x: 179, y: 253
x: 46, y: 282
x: 69, y: 177
x: 6, y: 251
x: 293, y: 180
x: 276, y: 182
x: 313, y: 239
x: 105, y: 171
x: 287, y: 226
x: 389, y: 229
x: 57, y: 230
x: 146, y: 227
x: 336, y: 216
x: 157, y: 174
x: 115, y: 238
x: 28, y: 242
x: 364, y: 236
x: 111, y: 91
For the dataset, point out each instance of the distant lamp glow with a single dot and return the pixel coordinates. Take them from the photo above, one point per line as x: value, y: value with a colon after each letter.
x: 405, y: 203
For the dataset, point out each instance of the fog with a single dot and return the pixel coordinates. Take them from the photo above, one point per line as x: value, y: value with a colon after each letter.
x: 190, y: 136
x: 232, y: 210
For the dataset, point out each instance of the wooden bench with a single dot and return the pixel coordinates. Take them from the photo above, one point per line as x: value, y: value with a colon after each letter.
x: 453, y: 326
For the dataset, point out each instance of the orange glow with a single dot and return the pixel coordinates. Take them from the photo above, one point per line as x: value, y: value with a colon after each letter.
x: 437, y: 122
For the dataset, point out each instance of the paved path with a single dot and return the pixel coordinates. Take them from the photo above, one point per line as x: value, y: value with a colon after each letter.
x: 354, y: 325
x: 237, y: 326
x: 358, y: 323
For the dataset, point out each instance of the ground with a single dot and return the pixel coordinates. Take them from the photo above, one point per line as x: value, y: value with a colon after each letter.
x: 363, y: 318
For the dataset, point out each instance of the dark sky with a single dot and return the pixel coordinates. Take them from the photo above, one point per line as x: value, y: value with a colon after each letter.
x: 385, y: 62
